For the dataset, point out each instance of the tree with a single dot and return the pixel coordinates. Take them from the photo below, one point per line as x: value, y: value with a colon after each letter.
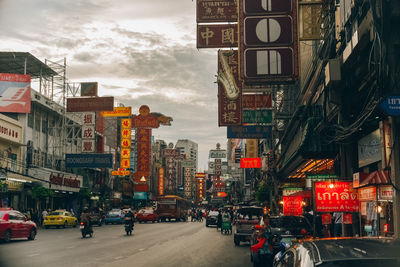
x: 263, y: 192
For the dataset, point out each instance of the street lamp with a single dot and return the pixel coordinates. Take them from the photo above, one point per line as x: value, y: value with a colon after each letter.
x: 143, y: 179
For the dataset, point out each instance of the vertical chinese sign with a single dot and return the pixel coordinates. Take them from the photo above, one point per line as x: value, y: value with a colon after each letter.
x: 170, y: 155
x: 125, y: 143
x: 188, y: 182
x: 229, y: 92
x: 161, y: 181
x: 88, y: 132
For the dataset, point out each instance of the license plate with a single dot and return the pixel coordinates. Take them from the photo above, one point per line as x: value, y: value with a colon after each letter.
x: 81, y: 227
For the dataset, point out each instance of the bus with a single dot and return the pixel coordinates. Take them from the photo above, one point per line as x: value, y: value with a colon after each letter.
x: 171, y: 207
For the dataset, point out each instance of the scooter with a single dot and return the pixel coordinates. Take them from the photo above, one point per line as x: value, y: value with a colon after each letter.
x: 128, y: 226
x: 86, y: 230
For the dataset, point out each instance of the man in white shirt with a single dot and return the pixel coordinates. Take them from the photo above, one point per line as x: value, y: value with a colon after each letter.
x: 337, y: 223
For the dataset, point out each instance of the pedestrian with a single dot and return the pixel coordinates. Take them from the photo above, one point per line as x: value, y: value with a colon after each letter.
x: 44, y: 214
x: 219, y: 220
x: 337, y: 221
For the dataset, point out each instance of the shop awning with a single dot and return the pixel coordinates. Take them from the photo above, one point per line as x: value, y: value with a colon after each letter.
x: 376, y: 177
x: 303, y: 194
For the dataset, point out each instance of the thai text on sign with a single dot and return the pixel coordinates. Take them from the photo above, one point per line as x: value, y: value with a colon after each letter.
x: 335, y: 197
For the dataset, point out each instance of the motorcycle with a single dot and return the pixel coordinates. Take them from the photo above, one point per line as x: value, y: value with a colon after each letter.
x: 128, y: 225
x: 86, y: 230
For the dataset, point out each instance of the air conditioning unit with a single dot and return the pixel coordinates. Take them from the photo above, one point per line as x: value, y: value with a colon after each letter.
x: 332, y: 71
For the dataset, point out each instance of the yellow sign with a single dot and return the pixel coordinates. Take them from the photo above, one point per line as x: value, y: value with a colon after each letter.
x: 125, y: 143
x: 125, y: 163
x: 126, y: 133
x: 118, y: 112
x: 121, y: 173
x: 126, y: 123
x: 125, y: 153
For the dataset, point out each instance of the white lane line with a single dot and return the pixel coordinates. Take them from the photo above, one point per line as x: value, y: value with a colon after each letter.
x: 141, y: 249
x: 70, y: 247
x: 32, y: 255
x: 118, y: 258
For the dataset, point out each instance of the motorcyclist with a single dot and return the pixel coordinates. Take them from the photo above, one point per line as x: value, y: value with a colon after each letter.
x: 85, y: 218
x: 129, y: 218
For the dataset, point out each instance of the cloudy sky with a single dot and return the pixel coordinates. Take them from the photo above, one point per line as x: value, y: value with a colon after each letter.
x: 140, y: 51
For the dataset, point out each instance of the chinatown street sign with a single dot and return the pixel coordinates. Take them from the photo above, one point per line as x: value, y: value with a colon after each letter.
x: 263, y: 31
x: 249, y: 132
x: 120, y: 173
x: 391, y: 105
x: 259, y: 116
x: 255, y: 101
x: 83, y: 104
x: 209, y: 11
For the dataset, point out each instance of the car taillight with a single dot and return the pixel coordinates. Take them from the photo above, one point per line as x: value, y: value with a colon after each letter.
x: 303, y: 231
x: 81, y: 223
x: 118, y: 216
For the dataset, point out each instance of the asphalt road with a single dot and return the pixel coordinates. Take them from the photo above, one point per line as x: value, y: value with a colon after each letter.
x: 160, y: 244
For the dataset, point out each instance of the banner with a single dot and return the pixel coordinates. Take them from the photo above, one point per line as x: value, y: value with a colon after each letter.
x: 88, y: 160
x: 335, y: 197
x: 15, y: 93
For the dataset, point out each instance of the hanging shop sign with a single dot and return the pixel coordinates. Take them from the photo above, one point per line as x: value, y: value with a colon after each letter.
x: 335, y: 197
x: 118, y: 112
x: 369, y: 149
x: 216, y: 11
x: 347, y: 218
x: 367, y: 193
x: 268, y: 47
x: 62, y: 181
x: 15, y: 93
x: 229, y: 89
x: 88, y: 160
x: 161, y: 181
x: 10, y: 131
x: 251, y: 148
x: 385, y: 192
x: 121, y: 173
x: 145, y: 119
x: 250, y: 163
x: 217, y: 36
x: 249, y: 132
x: 292, y: 206
x: 326, y: 218
x: 391, y: 105
x: 256, y: 101
x: 125, y: 143
x: 259, y: 116
x: 217, y: 154
x: 83, y: 104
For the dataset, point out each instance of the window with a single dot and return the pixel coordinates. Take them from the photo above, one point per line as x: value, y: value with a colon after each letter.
x: 30, y: 120
x: 37, y: 121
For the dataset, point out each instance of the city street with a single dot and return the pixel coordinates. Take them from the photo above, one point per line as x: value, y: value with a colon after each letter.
x: 159, y: 244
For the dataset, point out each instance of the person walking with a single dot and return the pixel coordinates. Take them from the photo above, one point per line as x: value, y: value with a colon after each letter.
x: 337, y: 221
x: 44, y: 214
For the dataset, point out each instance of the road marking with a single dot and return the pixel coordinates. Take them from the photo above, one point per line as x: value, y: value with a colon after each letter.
x: 71, y: 247
x: 32, y: 255
x: 141, y: 249
x: 118, y: 258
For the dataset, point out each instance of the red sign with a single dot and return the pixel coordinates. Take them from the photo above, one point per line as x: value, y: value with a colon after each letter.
x: 250, y: 163
x: 255, y: 101
x: 83, y: 104
x: 348, y: 218
x: 141, y: 187
x: 143, y: 137
x: 161, y: 181
x: 15, y: 93
x: 216, y: 11
x: 292, y: 206
x: 145, y: 119
x: 335, y: 197
x: 221, y: 194
x: 217, y: 36
x: 326, y: 218
x: 229, y: 89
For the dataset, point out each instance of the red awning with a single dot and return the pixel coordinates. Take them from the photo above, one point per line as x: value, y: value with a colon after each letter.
x: 376, y: 177
x: 303, y: 194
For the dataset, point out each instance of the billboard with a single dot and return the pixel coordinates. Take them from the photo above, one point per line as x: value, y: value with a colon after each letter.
x: 292, y: 205
x: 256, y: 101
x: 88, y: 160
x: 249, y: 132
x: 15, y: 93
x: 83, y: 104
x: 118, y: 112
x: 89, y: 89
x: 250, y: 163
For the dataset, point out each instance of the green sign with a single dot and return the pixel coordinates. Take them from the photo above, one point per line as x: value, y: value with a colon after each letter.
x: 257, y: 116
x: 321, y: 176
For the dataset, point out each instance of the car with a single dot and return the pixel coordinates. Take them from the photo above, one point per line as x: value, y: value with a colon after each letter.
x: 287, y: 228
x: 147, y: 215
x: 342, y: 252
x: 13, y: 224
x: 114, y: 216
x: 212, y: 218
x: 247, y: 218
x: 60, y: 218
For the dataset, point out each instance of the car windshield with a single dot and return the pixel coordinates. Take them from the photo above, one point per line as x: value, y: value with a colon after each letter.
x: 213, y: 213
x: 114, y: 212
x: 251, y: 213
x: 362, y: 263
x: 56, y: 213
x: 288, y: 222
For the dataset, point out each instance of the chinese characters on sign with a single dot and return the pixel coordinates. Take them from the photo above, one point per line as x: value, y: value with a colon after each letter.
x: 250, y: 163
x: 15, y: 93
x: 216, y: 11
x: 125, y: 143
x: 217, y: 36
x: 161, y: 181
x: 88, y: 132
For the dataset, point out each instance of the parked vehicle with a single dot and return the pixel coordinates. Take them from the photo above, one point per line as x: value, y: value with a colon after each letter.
x: 212, y: 218
x: 342, y: 252
x: 13, y: 224
x: 248, y: 217
x: 147, y: 215
x: 86, y: 229
x: 172, y: 207
x: 114, y: 216
x: 60, y: 218
x: 287, y: 228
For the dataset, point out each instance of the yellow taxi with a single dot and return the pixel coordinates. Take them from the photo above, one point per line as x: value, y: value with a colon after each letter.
x: 61, y: 218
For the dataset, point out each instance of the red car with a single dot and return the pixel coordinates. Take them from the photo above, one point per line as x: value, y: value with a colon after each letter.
x: 147, y: 216
x: 13, y: 224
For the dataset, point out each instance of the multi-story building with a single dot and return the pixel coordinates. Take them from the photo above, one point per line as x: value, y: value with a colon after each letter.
x: 188, y: 148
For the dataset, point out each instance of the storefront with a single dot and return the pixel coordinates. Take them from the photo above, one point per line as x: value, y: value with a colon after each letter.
x: 376, y: 202
x: 65, y: 187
